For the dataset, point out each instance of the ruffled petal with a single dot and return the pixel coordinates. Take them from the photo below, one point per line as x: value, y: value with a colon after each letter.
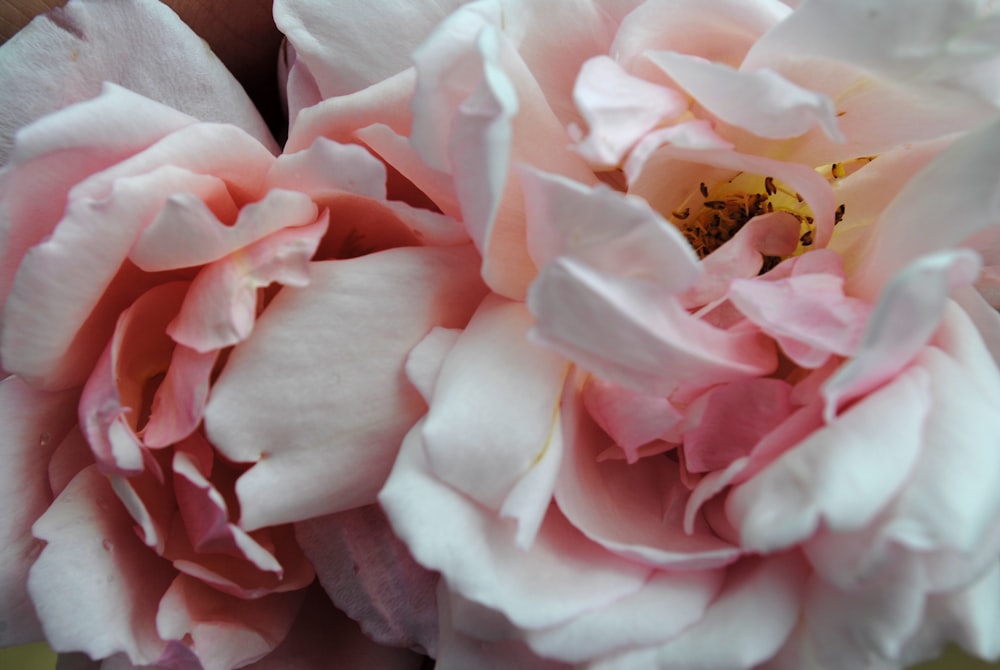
x: 561, y: 575
x: 324, y: 444
x: 843, y: 474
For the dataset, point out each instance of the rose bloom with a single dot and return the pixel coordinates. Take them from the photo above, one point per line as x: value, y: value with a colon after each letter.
x: 158, y: 251
x: 732, y: 400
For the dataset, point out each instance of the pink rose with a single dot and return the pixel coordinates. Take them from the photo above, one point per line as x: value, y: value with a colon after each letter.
x: 732, y: 400
x: 203, y: 345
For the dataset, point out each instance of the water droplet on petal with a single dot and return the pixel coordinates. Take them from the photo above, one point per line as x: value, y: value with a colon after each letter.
x: 108, y: 545
x: 43, y: 440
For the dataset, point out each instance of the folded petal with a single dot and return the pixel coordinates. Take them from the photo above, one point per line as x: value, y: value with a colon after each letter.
x: 762, y: 101
x: 619, y: 109
x: 906, y: 315
x: 93, y: 562
x: 323, y: 444
x: 616, y: 234
x: 632, y: 332
x: 630, y: 418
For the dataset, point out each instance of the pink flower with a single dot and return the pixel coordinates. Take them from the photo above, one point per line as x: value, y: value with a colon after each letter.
x: 732, y: 401
x: 158, y: 268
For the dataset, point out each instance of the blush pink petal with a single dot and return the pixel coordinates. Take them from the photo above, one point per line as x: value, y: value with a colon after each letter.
x: 337, y: 46
x: 733, y: 633
x: 735, y: 418
x: 906, y: 315
x: 338, y: 118
x: 327, y: 443
x: 631, y: 419
x: 192, y: 236
x: 34, y: 424
x: 561, y: 575
x: 93, y: 562
x: 326, y: 168
x: 634, y: 333
x: 225, y: 632
x: 635, y: 511
x: 742, y: 256
x: 494, y: 406
x: 807, y: 314
x: 619, y: 109
x: 60, y: 150
x: 719, y: 30
x: 180, y: 400
x: 842, y: 475
x: 113, y: 396
x: 423, y: 365
x: 74, y: 49
x: 964, y: 178
x: 612, y: 233
x: 369, y: 574
x: 665, y: 606
x: 969, y: 616
x: 761, y: 102
x: 221, y: 305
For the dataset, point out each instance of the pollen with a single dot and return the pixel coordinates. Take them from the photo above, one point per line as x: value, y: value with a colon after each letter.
x: 710, y: 216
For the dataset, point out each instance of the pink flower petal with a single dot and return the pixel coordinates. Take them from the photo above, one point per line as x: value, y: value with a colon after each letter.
x: 115, y: 395
x: 619, y: 109
x: 612, y: 233
x: 773, y: 585
x: 223, y: 631
x: 720, y: 30
x: 325, y: 445
x: 35, y: 424
x: 762, y: 102
x: 369, y: 574
x: 633, y: 510
x: 807, y: 314
x: 632, y: 332
x: 561, y: 575
x: 94, y: 563
x: 177, y: 239
x: 665, y: 606
x: 424, y: 363
x: 843, y: 474
x: 76, y: 48
x: 906, y: 315
x: 326, y: 168
x: 181, y: 397
x: 337, y: 46
x: 736, y: 417
x: 964, y: 178
x: 631, y: 419
x: 494, y: 384
x: 221, y: 305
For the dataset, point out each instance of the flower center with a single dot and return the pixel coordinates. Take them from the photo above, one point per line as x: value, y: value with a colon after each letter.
x: 709, y: 217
